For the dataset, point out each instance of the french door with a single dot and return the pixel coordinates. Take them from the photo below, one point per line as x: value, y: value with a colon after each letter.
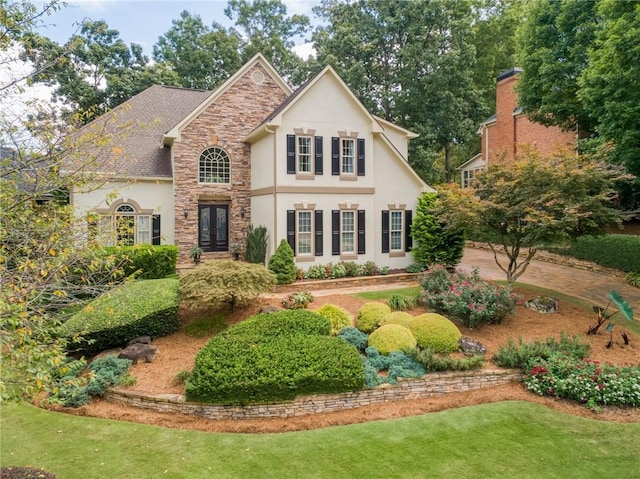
x: 213, y: 227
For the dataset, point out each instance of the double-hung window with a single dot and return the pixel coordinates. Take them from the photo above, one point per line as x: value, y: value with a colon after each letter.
x: 396, y: 230
x: 347, y: 232
x: 304, y: 234
x: 347, y: 156
x: 304, y: 154
x: 126, y: 224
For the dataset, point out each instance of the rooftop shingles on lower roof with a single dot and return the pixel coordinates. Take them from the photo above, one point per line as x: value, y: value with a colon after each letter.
x: 138, y: 151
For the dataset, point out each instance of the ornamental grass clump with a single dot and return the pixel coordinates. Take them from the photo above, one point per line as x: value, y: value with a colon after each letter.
x: 466, y: 297
x: 584, y: 380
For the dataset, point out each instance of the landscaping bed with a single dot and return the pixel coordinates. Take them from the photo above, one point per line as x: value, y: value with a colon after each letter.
x: 177, y: 353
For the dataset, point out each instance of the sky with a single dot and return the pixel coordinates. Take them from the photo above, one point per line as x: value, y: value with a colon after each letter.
x: 143, y: 21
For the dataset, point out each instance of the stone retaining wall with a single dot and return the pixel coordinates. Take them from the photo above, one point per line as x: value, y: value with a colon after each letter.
x: 435, y: 384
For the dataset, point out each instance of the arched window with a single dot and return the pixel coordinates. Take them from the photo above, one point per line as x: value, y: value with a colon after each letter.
x: 128, y: 224
x: 214, y: 166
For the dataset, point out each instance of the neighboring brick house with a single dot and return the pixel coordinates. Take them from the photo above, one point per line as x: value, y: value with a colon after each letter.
x: 508, y: 132
x: 313, y: 166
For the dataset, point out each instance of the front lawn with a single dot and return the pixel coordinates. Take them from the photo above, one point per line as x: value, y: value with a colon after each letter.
x: 501, y: 440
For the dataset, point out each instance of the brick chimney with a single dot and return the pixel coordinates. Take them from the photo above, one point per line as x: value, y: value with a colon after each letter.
x: 506, y: 104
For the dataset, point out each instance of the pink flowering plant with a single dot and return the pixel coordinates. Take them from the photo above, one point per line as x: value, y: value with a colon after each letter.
x: 466, y: 297
x: 585, y: 381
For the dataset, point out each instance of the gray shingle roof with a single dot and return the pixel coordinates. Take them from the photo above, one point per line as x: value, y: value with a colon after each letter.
x: 148, y: 116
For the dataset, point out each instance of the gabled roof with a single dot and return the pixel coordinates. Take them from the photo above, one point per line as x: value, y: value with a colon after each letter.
x: 145, y: 118
x: 258, y: 59
x: 405, y: 164
x: 471, y: 160
x: 387, y: 124
x: 274, y: 120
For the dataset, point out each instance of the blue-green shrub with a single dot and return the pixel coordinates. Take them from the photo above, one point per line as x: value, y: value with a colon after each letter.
x: 354, y: 337
x: 397, y: 364
x: 139, y: 308
x: 274, y: 357
x: 612, y: 251
x: 146, y: 261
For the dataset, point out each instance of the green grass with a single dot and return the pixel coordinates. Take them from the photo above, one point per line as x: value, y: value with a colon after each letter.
x: 500, y: 440
x: 207, y: 326
x: 385, y: 295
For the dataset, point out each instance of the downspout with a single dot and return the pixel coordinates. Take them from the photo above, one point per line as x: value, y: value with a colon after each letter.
x: 273, y: 193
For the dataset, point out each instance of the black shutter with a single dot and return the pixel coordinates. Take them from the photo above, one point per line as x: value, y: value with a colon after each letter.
x: 335, y: 232
x: 335, y: 155
x: 318, y: 239
x: 318, y: 155
x: 361, y: 233
x: 291, y: 229
x: 408, y: 239
x: 360, y: 156
x: 155, y: 230
x: 291, y: 154
x: 385, y: 231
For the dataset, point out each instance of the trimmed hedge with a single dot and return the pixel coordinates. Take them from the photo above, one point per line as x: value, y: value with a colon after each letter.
x: 396, y: 317
x: 150, y: 262
x: 435, y: 332
x: 274, y: 357
x: 612, y: 251
x: 133, y: 309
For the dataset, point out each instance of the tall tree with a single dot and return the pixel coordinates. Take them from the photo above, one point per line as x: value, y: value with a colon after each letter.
x: 265, y: 27
x: 202, y: 57
x: 553, y: 51
x: 410, y: 62
x: 95, y: 70
x: 609, y: 86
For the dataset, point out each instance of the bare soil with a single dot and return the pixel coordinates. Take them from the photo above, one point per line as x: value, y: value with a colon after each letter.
x: 177, y: 352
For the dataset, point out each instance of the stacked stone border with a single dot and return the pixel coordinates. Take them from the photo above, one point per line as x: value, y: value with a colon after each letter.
x: 430, y: 385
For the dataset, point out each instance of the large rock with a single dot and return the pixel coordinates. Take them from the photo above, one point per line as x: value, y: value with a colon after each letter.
x: 136, y: 352
x: 471, y: 346
x: 543, y: 304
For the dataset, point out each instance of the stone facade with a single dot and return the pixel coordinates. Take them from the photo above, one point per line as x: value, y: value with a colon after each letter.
x: 512, y: 132
x: 430, y: 385
x: 224, y: 123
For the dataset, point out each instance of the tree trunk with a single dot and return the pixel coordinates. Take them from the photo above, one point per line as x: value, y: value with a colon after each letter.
x: 447, y: 162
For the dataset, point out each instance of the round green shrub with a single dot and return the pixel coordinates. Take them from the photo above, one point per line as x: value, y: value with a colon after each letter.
x: 338, y: 317
x: 369, y: 315
x: 396, y: 317
x: 435, y: 332
x: 392, y: 337
x: 283, y: 264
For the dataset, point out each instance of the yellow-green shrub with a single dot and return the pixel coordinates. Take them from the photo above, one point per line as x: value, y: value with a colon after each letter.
x: 435, y: 332
x: 396, y: 317
x: 392, y: 337
x: 369, y: 315
x: 338, y: 317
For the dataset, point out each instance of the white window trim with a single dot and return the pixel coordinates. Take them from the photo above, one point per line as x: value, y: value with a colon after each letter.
x: 310, y: 233
x: 353, y: 232
x: 221, y: 154
x: 401, y: 231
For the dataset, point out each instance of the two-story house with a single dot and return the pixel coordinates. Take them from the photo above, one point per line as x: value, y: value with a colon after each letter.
x: 508, y: 132
x: 312, y: 165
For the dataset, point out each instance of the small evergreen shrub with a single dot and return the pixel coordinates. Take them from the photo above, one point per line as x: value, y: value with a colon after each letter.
x: 297, y: 300
x: 368, y: 269
x: 338, y: 317
x: 416, y: 268
x: 290, y: 322
x: 435, y: 332
x: 256, y: 248
x: 466, y: 297
x: 145, y: 261
x: 392, y: 337
x: 513, y: 355
x: 351, y: 268
x: 397, y: 365
x: 282, y: 264
x: 369, y: 314
x: 396, y: 317
x: 139, y: 308
x: 354, y: 337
